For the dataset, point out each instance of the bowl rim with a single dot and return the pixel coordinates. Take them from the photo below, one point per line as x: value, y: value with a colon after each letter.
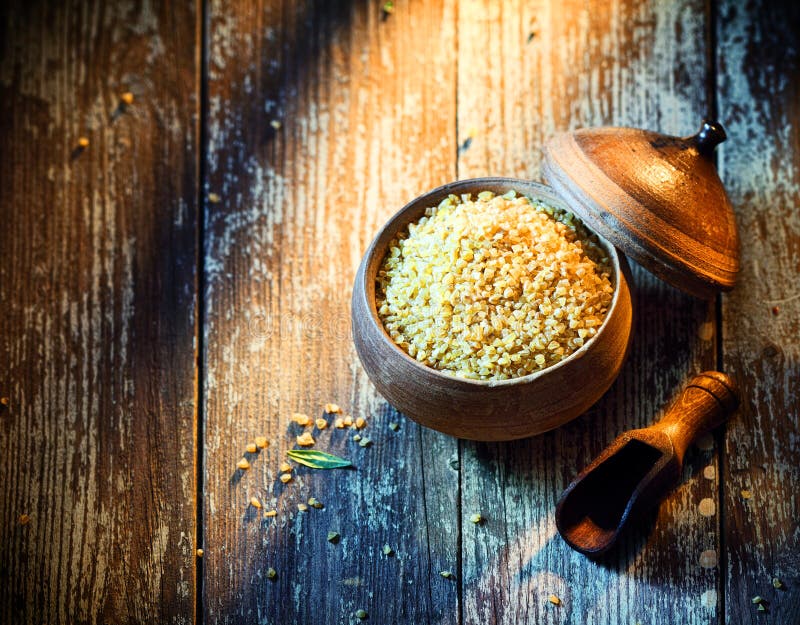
x: 452, y: 188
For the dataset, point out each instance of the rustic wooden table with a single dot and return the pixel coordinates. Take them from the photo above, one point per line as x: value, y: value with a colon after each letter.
x: 181, y: 285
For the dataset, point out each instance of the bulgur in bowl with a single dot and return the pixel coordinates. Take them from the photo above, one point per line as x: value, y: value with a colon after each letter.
x: 540, y: 354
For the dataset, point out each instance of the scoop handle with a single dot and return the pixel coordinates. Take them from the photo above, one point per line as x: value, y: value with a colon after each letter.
x: 706, y: 403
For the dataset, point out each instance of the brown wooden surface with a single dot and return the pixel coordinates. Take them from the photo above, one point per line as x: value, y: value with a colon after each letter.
x: 97, y: 293
x: 298, y: 206
x: 109, y: 332
x: 759, y: 93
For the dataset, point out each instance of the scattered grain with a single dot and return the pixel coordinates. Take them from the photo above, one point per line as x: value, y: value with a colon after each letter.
x: 321, y: 424
x: 387, y: 550
x: 83, y: 142
x: 305, y: 440
x: 333, y: 537
x: 756, y: 599
x: 365, y: 442
x: 339, y: 423
x: 275, y: 124
x: 286, y: 477
x: 285, y: 467
x: 707, y: 507
x: 777, y: 583
x: 446, y: 574
x: 255, y: 503
x: 251, y: 448
x: 199, y: 553
x: 348, y: 420
x: 214, y: 198
x: 554, y: 600
x: 361, y: 614
x: 315, y: 503
x: 24, y: 519
x: 271, y: 573
x: 746, y: 494
x: 243, y: 464
x: 332, y: 408
x: 301, y: 419
x: 394, y: 426
x: 476, y: 518
x: 361, y: 423
x: 302, y: 507
x: 270, y: 513
x: 762, y: 607
x: 480, y: 288
x: 775, y: 310
x: 356, y: 437
x: 262, y: 442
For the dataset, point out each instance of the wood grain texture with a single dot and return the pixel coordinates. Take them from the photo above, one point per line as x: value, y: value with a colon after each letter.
x: 356, y: 135
x: 759, y: 97
x: 560, y: 66
x: 97, y: 295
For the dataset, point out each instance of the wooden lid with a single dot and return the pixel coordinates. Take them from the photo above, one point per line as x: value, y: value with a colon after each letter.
x: 657, y: 198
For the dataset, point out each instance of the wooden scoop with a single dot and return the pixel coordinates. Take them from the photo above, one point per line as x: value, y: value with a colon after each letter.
x: 640, y: 467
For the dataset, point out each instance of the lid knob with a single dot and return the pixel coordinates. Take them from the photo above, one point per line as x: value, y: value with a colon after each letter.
x: 710, y: 135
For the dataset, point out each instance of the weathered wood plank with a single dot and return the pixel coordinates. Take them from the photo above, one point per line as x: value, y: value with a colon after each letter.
x: 358, y: 134
x: 759, y: 98
x: 526, y: 71
x: 97, y: 298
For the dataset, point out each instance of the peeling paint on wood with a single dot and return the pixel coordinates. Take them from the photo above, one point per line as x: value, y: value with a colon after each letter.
x: 359, y: 135
x: 759, y: 99
x: 97, y: 298
x: 615, y: 63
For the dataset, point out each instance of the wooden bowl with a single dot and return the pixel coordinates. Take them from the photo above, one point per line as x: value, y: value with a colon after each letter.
x: 487, y: 410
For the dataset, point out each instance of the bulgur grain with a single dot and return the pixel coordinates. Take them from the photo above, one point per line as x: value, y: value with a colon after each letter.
x: 243, y: 464
x: 321, y: 424
x: 301, y: 419
x: 493, y: 288
x: 261, y: 441
x: 305, y: 440
x: 251, y: 448
x: 285, y: 467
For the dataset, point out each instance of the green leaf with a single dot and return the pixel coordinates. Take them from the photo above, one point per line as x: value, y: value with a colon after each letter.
x: 317, y: 459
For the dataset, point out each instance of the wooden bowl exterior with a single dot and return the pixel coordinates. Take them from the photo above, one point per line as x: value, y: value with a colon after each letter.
x: 487, y: 410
